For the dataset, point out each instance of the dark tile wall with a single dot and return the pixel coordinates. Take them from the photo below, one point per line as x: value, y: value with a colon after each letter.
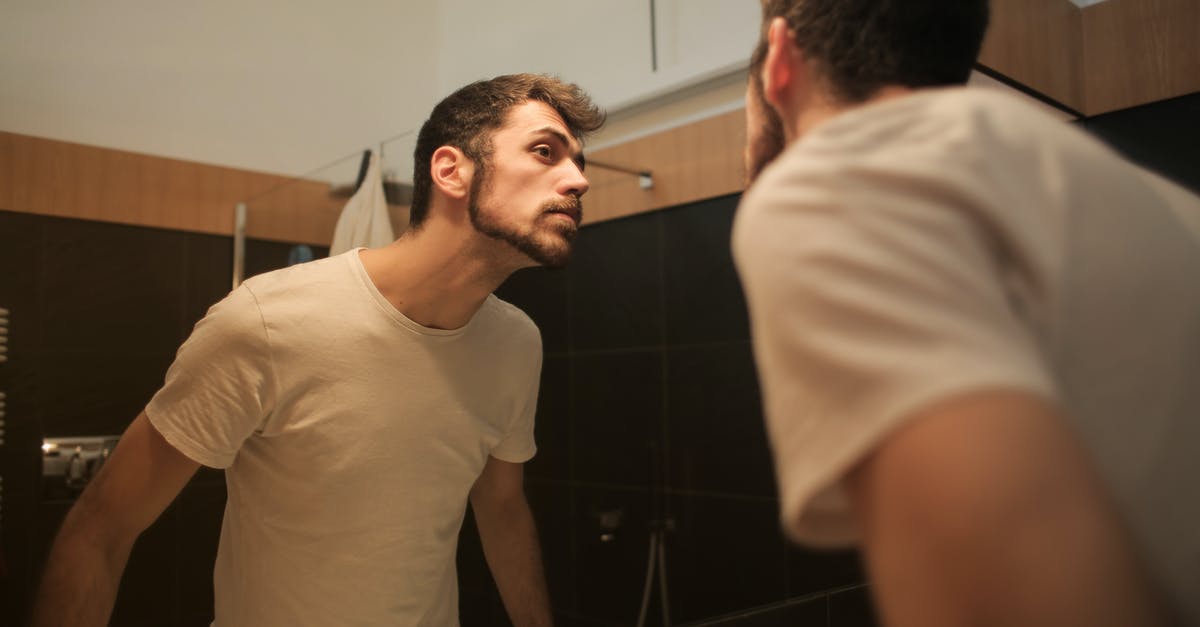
x: 649, y: 416
x: 97, y: 312
x: 1162, y: 136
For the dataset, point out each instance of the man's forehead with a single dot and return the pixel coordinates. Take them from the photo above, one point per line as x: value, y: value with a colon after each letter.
x: 535, y: 117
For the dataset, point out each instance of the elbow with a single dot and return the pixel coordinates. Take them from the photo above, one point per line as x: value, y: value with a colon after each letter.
x: 91, y: 526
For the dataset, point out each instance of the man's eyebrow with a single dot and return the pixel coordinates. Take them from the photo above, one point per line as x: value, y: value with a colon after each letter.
x: 550, y: 130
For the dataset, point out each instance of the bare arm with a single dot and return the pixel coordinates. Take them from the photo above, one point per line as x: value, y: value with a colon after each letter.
x: 135, y: 485
x: 510, y: 542
x: 985, y: 511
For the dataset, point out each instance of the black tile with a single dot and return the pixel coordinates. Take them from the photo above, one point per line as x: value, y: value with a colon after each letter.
x: 611, y: 562
x: 147, y: 592
x: 615, y: 285
x: 725, y: 554
x: 853, y: 608
x: 479, y: 602
x: 201, y: 508
x: 1162, y: 136
x: 110, y: 287
x: 541, y: 293
x: 552, y: 429
x: 21, y: 467
x: 552, y: 512
x: 96, y: 393
x: 209, y: 275
x: 20, y: 280
x: 196, y: 620
x: 715, y: 428
x: 616, y: 417
x: 21, y: 251
x: 50, y: 516
x: 265, y: 255
x: 811, y: 570
x: 704, y: 300
x: 809, y: 613
x: 576, y: 620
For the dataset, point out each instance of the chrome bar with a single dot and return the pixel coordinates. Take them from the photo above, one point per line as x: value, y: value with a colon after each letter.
x: 239, y: 243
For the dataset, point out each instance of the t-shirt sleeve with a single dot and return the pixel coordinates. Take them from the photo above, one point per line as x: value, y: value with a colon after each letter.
x: 220, y: 387
x: 870, y: 299
x: 518, y: 445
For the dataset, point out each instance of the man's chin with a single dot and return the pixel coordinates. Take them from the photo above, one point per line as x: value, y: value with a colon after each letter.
x: 552, y: 256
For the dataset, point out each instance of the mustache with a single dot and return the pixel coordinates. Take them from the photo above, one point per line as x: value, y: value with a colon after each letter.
x: 572, y: 206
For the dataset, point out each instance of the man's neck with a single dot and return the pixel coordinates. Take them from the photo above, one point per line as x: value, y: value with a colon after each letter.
x: 822, y: 108
x: 438, y: 276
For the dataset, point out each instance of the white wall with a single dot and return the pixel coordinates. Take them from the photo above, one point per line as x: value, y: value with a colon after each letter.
x: 604, y: 46
x: 269, y: 85
x: 289, y: 86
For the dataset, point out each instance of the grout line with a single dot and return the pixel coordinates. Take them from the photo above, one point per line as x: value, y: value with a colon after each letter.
x: 646, y: 348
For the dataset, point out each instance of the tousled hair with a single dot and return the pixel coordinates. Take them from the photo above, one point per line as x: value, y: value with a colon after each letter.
x: 861, y: 46
x: 467, y: 118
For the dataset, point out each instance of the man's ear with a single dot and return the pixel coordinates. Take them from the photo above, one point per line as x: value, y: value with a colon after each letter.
x: 782, y: 65
x: 451, y: 171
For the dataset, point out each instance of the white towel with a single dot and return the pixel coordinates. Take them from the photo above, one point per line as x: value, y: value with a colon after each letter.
x: 364, y: 220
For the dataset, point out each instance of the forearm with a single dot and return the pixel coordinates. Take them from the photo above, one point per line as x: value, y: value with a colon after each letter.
x: 510, y: 544
x: 79, y: 584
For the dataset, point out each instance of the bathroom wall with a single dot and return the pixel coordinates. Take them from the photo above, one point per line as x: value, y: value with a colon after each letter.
x: 97, y: 312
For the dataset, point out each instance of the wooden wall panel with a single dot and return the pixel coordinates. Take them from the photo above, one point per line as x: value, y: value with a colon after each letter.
x: 1139, y: 51
x: 688, y: 163
x: 1037, y: 43
x: 62, y: 179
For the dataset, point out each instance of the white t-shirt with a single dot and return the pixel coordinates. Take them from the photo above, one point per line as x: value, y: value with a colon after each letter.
x: 351, y: 437
x: 957, y: 239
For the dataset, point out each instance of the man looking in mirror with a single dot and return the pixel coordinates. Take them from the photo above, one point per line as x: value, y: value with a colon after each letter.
x: 977, y: 329
x: 357, y: 403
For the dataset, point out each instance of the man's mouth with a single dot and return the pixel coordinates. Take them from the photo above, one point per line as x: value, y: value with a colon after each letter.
x: 571, y: 210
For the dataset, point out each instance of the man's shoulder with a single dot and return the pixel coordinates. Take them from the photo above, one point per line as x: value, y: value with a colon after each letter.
x: 317, y: 273
x: 509, y: 323
x: 979, y: 137
x: 508, y: 315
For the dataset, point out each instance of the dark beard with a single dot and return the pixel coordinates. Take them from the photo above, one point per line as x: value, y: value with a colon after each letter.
x: 768, y: 143
x: 544, y: 249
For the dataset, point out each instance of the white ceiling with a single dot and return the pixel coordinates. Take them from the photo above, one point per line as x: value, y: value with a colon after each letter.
x: 270, y: 85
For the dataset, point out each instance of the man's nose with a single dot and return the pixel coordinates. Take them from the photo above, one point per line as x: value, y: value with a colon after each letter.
x: 575, y: 183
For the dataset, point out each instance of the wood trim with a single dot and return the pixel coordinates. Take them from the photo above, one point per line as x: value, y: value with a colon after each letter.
x: 688, y: 163
x: 1101, y: 58
x: 1140, y: 51
x: 1038, y: 44
x: 64, y: 179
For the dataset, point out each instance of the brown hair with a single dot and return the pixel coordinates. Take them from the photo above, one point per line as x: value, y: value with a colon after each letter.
x: 467, y: 118
x: 861, y: 46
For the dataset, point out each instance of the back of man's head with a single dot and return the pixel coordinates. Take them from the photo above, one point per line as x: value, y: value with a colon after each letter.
x: 467, y: 118
x: 861, y: 46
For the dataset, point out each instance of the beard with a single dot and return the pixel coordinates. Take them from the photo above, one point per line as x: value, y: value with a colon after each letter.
x: 765, y: 141
x: 548, y: 241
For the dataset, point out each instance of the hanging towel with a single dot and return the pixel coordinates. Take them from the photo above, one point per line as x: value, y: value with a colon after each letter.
x: 364, y: 220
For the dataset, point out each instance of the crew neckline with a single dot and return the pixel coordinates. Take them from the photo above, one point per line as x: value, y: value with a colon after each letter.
x: 357, y: 267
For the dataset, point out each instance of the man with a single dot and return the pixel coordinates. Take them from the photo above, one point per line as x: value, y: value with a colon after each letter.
x: 977, y: 329
x: 358, y: 402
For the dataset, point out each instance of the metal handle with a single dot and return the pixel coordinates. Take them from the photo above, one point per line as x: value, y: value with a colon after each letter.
x: 239, y: 243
